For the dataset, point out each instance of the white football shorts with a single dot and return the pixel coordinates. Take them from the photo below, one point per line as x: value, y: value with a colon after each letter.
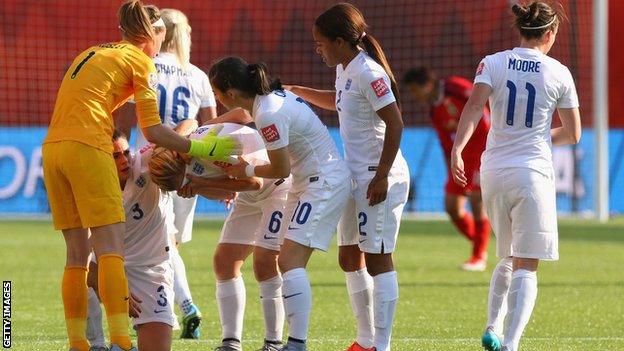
x: 153, y: 285
x: 259, y: 223
x: 521, y: 205
x: 311, y: 215
x: 374, y: 229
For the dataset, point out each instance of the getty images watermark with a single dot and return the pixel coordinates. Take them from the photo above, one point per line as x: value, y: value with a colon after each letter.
x: 6, y: 314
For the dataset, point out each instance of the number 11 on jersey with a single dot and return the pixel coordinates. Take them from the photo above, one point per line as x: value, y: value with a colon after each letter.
x: 511, y: 104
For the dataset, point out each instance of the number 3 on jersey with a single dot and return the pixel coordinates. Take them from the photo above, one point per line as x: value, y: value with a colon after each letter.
x: 511, y: 105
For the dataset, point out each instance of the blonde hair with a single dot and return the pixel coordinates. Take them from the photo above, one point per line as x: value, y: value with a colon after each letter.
x: 135, y: 21
x: 166, y: 169
x: 178, y: 39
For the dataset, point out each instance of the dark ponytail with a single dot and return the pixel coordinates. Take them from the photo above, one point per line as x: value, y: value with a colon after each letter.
x: 536, y: 19
x: 374, y: 50
x: 347, y: 22
x: 251, y: 79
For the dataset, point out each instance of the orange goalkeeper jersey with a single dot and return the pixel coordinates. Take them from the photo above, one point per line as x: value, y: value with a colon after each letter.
x: 99, y: 80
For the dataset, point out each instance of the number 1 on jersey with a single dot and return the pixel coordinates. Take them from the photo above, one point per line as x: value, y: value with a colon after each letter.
x: 511, y: 104
x: 81, y: 64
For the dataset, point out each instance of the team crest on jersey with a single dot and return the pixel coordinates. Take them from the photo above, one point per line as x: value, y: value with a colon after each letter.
x: 348, y: 84
x: 153, y: 80
x: 198, y: 168
x: 140, y: 182
x: 480, y: 68
x: 270, y: 133
x: 380, y: 87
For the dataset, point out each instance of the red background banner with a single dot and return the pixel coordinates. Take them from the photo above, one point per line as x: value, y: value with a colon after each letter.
x: 38, y: 39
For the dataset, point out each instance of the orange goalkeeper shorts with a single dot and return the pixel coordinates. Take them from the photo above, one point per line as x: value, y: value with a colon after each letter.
x: 82, y: 185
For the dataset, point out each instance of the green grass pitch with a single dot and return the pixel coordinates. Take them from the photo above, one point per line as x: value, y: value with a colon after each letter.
x: 580, y: 304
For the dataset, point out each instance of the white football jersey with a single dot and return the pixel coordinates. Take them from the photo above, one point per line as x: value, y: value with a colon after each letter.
x: 181, y: 93
x: 285, y: 119
x: 527, y: 87
x: 362, y: 89
x: 147, y: 231
x: 253, y: 151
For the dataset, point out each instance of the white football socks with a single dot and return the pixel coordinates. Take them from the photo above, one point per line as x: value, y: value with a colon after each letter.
x: 521, y: 299
x: 182, y: 292
x: 231, y: 299
x: 272, y: 308
x: 297, y: 296
x: 95, y: 331
x: 360, y: 289
x: 385, y: 296
x: 497, y: 296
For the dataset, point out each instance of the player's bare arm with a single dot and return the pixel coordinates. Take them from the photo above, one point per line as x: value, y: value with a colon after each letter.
x: 278, y: 168
x: 378, y: 187
x: 471, y: 114
x: 325, y: 99
x: 570, y: 131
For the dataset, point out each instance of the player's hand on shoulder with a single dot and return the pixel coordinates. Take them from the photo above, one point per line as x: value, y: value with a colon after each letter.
x: 377, y: 190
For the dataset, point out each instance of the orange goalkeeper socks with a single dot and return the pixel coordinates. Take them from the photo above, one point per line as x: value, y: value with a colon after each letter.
x: 74, y: 293
x: 113, y: 289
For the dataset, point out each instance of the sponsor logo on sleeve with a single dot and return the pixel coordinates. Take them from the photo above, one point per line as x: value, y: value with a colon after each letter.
x: 480, y: 68
x: 380, y: 87
x: 146, y: 148
x: 270, y: 133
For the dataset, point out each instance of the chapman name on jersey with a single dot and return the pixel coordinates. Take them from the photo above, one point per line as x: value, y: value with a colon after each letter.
x: 527, y: 87
x: 147, y: 230
x: 253, y: 152
x: 362, y: 89
x: 181, y: 92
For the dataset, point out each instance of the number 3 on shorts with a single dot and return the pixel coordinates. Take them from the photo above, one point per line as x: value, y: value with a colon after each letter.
x: 162, y: 298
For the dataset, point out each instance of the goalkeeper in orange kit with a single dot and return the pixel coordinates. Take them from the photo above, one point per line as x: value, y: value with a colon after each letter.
x: 79, y: 169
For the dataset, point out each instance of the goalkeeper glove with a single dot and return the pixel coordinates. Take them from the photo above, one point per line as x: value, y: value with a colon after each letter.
x: 214, y: 148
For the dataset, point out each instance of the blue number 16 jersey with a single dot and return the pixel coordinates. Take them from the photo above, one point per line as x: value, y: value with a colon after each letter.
x: 181, y: 92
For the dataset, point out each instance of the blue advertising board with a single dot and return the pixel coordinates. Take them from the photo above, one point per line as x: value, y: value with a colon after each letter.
x: 22, y: 190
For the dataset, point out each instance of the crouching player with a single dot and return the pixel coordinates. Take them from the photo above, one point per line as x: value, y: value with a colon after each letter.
x: 253, y: 225
x: 146, y: 252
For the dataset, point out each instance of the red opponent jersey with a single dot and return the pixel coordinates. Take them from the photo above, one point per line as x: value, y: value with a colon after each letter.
x: 445, y: 112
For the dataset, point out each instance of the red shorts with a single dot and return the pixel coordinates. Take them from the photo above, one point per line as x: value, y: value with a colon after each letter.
x: 471, y: 169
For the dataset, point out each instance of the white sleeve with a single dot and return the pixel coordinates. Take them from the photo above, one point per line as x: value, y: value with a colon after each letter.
x: 376, y: 87
x: 207, y: 95
x: 141, y: 159
x: 569, y: 98
x: 273, y: 127
x: 484, y: 73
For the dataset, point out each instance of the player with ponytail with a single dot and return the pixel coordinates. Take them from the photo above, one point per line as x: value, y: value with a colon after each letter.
x: 297, y: 143
x: 524, y: 87
x: 366, y: 99
x: 79, y: 171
